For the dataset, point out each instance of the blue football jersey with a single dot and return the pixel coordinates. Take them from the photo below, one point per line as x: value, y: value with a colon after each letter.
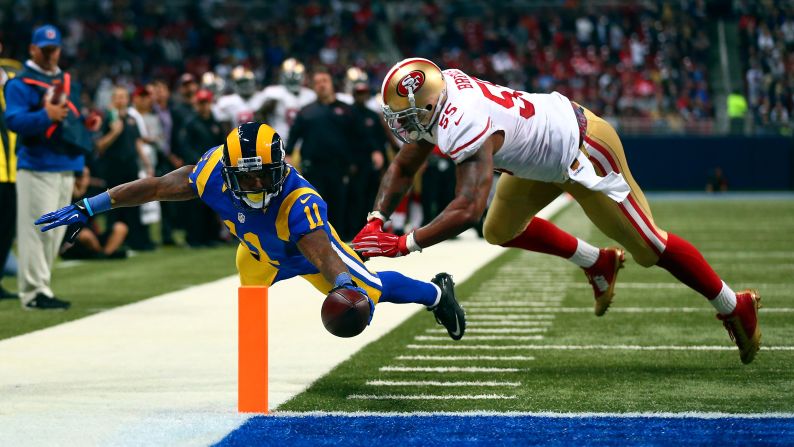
x: 270, y: 235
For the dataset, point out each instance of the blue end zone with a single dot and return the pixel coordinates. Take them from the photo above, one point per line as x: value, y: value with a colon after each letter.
x: 443, y: 430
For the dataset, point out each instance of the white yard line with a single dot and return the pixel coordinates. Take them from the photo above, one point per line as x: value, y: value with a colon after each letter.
x: 617, y: 309
x: 481, y: 337
x: 430, y: 396
x: 464, y: 357
x: 447, y: 369
x: 471, y: 330
x: 439, y: 383
x: 593, y: 347
x: 474, y: 324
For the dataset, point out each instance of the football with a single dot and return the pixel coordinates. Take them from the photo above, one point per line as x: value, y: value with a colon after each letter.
x: 345, y: 312
x: 55, y: 94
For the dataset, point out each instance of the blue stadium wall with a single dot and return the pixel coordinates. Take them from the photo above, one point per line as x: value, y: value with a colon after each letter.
x: 670, y: 163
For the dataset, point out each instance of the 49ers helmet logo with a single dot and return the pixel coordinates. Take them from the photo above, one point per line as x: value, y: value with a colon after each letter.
x: 413, y: 80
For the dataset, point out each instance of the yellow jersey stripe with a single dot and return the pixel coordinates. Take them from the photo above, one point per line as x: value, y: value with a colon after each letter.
x: 264, y: 140
x: 282, y: 221
x: 206, y: 171
x: 233, y: 146
x: 12, y: 163
x: 319, y: 282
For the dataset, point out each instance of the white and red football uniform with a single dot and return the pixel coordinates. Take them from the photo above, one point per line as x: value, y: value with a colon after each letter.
x: 288, y: 105
x: 541, y: 133
x: 234, y: 109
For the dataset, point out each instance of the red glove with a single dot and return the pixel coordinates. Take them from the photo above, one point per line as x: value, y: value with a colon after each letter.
x: 374, y: 225
x: 380, y: 244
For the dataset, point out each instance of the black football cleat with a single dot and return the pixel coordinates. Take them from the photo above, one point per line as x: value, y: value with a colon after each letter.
x: 448, y: 312
x: 44, y: 302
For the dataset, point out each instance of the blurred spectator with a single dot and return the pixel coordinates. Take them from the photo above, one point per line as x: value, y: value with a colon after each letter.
x: 368, y: 162
x: 166, y: 160
x: 737, y: 110
x: 199, y: 134
x: 52, y: 144
x: 717, y: 181
x: 280, y: 104
x: 151, y: 133
x: 90, y: 243
x: 330, y: 137
x: 767, y: 41
x: 8, y: 174
x: 120, y: 151
x: 237, y: 107
x: 182, y: 110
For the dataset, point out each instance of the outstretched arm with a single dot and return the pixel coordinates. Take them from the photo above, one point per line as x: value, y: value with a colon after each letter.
x: 172, y: 186
x: 400, y: 176
x: 316, y: 247
x: 474, y: 177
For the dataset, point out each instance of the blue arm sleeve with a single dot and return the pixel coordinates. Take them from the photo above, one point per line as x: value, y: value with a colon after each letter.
x: 20, y: 100
x: 308, y: 213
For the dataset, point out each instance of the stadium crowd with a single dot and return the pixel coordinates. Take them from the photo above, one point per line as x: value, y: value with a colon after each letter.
x: 636, y: 59
x: 767, y: 45
x: 166, y: 76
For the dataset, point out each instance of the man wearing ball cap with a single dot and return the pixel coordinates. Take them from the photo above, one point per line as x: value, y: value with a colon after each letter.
x: 42, y: 107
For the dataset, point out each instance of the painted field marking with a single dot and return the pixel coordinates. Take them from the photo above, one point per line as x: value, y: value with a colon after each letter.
x: 475, y: 324
x: 482, y: 337
x: 546, y: 316
x: 526, y: 302
x: 464, y: 357
x: 430, y: 397
x: 504, y: 308
x: 446, y: 369
x: 596, y: 347
x: 493, y: 331
x: 438, y: 383
x: 624, y: 310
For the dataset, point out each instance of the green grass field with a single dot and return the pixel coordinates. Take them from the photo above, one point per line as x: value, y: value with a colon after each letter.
x: 532, y: 340
x: 533, y: 344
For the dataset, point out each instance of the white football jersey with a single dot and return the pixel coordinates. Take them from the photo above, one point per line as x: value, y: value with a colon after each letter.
x: 234, y: 109
x: 541, y: 130
x: 288, y: 105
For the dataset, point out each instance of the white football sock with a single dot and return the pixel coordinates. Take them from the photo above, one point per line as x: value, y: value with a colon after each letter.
x: 725, y: 302
x: 586, y: 255
x: 438, y: 296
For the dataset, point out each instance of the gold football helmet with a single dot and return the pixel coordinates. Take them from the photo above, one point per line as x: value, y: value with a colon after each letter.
x: 413, y: 93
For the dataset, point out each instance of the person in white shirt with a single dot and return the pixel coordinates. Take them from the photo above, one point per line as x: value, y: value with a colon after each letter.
x: 280, y: 104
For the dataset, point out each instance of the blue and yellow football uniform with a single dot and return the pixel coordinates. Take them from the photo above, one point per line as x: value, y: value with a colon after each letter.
x: 268, y: 250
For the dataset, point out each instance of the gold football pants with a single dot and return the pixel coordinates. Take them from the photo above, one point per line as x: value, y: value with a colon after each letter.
x: 630, y: 222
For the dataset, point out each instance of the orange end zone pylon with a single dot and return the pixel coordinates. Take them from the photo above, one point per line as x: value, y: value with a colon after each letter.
x: 252, y: 350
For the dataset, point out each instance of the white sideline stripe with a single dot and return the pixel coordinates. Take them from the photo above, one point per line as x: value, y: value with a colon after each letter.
x: 598, y: 347
x: 444, y: 369
x: 494, y: 331
x: 437, y: 383
x: 482, y: 337
x: 513, y: 317
x: 430, y: 397
x: 513, y: 414
x: 630, y: 310
x: 475, y: 324
x: 464, y: 357
x: 353, y: 265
